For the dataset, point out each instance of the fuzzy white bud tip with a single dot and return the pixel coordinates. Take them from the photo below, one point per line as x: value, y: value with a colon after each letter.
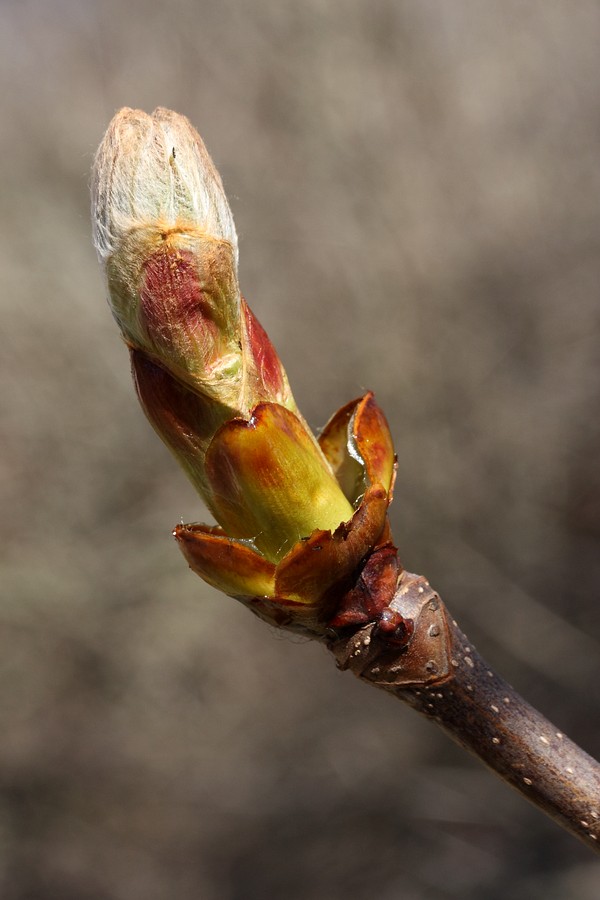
x: 155, y: 169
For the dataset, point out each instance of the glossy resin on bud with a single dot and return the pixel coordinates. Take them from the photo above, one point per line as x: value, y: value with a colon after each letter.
x: 299, y: 519
x: 313, y: 584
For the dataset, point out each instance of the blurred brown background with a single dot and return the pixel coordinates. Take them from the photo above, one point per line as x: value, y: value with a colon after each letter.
x: 416, y: 187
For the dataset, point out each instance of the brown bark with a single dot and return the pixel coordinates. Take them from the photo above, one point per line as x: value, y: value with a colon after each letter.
x: 440, y: 674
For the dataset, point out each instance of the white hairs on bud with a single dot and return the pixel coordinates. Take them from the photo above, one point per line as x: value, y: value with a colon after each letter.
x: 153, y: 170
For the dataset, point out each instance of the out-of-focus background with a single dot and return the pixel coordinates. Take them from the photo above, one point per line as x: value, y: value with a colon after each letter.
x: 416, y: 187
